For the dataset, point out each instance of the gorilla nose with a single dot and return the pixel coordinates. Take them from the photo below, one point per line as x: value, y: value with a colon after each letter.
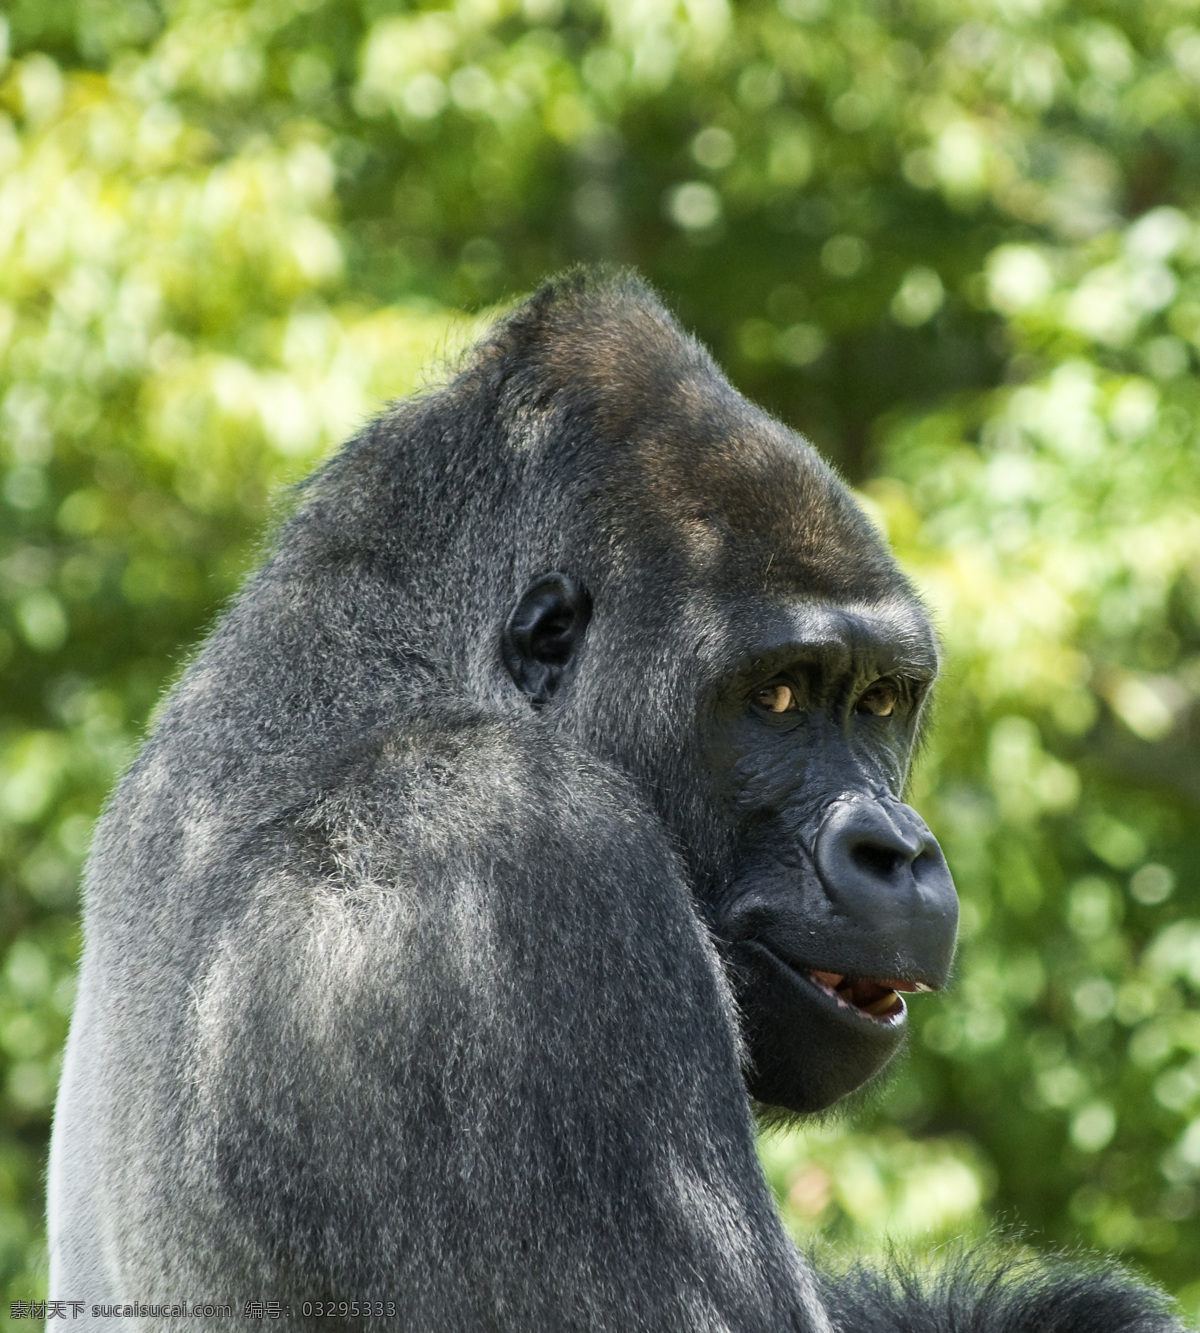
x: 878, y: 862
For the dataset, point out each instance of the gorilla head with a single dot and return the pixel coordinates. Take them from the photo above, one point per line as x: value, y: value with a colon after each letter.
x: 720, y: 620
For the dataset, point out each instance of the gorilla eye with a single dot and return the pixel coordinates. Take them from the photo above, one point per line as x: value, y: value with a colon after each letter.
x: 879, y: 700
x: 776, y: 699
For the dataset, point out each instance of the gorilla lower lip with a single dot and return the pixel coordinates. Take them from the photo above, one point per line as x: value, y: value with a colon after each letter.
x: 876, y: 999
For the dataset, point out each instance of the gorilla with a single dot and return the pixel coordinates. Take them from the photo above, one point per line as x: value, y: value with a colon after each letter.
x: 532, y: 816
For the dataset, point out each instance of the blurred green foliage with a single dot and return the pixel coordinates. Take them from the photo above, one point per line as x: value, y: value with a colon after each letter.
x: 956, y: 241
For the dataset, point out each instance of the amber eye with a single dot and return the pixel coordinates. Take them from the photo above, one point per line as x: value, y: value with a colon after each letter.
x: 879, y: 700
x: 776, y: 699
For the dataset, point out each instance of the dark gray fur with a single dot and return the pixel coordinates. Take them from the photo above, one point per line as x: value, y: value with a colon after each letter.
x: 972, y: 1295
x: 395, y: 988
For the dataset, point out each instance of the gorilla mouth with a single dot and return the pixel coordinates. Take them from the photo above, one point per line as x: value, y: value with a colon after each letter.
x: 874, y: 998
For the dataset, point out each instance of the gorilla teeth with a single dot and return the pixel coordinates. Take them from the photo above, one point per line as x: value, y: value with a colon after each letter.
x: 879, y: 999
x: 884, y: 1005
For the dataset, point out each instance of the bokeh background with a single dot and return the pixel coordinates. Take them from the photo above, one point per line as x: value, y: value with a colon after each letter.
x: 956, y: 242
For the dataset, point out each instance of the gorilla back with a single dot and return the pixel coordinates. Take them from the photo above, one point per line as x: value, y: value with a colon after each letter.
x: 534, y: 807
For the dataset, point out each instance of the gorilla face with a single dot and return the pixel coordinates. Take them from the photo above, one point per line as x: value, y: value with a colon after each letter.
x: 840, y: 899
x: 835, y: 899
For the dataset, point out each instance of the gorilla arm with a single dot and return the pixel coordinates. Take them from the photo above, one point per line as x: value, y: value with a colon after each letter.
x: 464, y: 1046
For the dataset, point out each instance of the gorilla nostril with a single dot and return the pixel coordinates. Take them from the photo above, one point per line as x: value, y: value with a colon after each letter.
x: 877, y: 860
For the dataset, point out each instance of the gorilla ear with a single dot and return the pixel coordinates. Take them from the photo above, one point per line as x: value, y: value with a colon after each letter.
x: 541, y: 639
